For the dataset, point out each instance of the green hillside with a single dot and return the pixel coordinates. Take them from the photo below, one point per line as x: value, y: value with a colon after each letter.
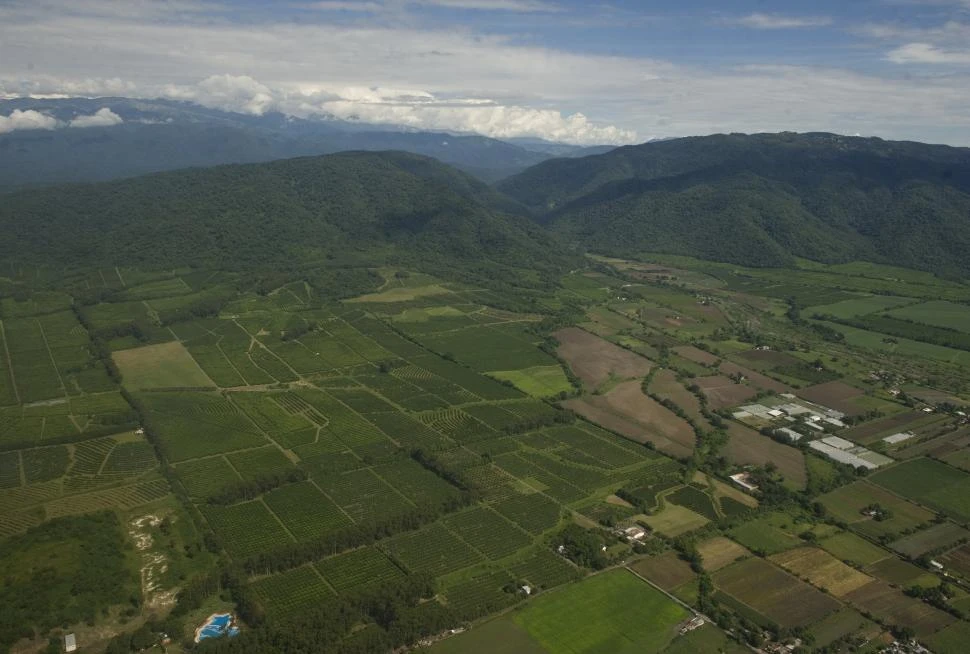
x: 355, y: 207
x: 763, y: 200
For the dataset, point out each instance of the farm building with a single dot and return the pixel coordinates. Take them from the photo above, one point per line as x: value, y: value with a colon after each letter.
x: 635, y: 533
x: 743, y: 480
x: 70, y: 643
x: 843, y: 451
x: 791, y: 434
x: 900, y: 437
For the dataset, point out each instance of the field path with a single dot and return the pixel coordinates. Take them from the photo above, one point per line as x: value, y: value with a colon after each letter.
x: 255, y: 342
x: 23, y: 473
x: 676, y: 599
x: 6, y: 351
x: 51, y: 355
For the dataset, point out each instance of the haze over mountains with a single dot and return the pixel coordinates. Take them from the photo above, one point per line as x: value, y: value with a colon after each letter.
x: 136, y: 137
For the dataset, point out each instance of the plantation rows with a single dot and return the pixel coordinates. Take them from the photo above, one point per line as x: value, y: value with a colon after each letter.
x: 357, y: 568
x: 124, y: 498
x: 488, y: 532
x: 433, y: 550
x: 305, y: 511
x: 292, y: 590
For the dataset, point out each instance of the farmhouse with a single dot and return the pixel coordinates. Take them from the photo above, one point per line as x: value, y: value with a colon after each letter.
x: 743, y: 480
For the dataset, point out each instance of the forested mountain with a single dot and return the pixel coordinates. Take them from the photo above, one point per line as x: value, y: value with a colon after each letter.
x: 763, y: 199
x: 159, y: 135
x: 354, y: 206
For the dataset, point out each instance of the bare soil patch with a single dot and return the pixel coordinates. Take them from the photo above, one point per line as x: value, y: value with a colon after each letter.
x: 666, y: 570
x: 720, y: 552
x: 755, y: 378
x: 835, y: 395
x: 627, y: 411
x: 747, y: 447
x: 722, y: 392
x: 664, y: 384
x: 595, y: 360
x: 696, y: 355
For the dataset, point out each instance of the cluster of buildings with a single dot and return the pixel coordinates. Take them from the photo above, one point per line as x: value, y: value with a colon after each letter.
x: 813, y: 416
x: 847, y: 452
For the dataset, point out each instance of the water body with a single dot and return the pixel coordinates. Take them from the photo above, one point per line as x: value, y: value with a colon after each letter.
x: 218, y: 625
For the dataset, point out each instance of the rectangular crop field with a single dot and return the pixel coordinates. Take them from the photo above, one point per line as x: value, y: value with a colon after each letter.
x: 848, y: 547
x: 305, y: 511
x: 892, y: 606
x: 433, y: 550
x: 943, y: 535
x: 534, y: 513
x: 720, y: 552
x: 358, y: 568
x: 291, y: 591
x: 488, y: 532
x: 822, y: 570
x: 930, y: 483
x: 246, y: 529
x: 847, y: 503
x: 667, y: 570
x: 168, y: 365
x: 778, y: 596
x: 612, y: 612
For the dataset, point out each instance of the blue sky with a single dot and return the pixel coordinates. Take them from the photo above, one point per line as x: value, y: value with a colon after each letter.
x: 586, y: 72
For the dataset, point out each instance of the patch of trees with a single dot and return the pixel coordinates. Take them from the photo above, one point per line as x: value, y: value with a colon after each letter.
x: 92, y: 574
x: 249, y: 489
x: 902, y: 328
x: 363, y: 533
x: 584, y: 547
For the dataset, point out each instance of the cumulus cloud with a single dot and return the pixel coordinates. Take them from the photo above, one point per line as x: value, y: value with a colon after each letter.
x: 103, y: 117
x: 761, y: 21
x: 239, y: 93
x: 22, y: 120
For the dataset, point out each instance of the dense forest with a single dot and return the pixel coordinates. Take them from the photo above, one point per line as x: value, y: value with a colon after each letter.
x: 763, y: 200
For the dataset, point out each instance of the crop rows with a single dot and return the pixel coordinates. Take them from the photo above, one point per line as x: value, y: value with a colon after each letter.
x: 271, y: 364
x: 246, y: 529
x: 695, y: 500
x: 554, y: 486
x: 90, y: 455
x: 605, y: 452
x: 204, y: 477
x: 9, y: 469
x: 457, y: 425
x: 130, y: 459
x: 15, y: 522
x: 305, y: 511
x: 417, y: 484
x: 408, y: 432
x: 182, y: 418
x: 482, y: 595
x: 361, y: 567
x: 292, y: 590
x: 215, y: 365
x: 260, y: 461
x: 488, y: 532
x: 433, y: 550
x: 45, y: 463
x: 535, y: 513
x: 15, y: 499
x: 362, y: 401
x: 268, y: 414
x: 545, y: 569
x: 363, y: 496
x: 124, y: 498
x: 471, y: 381
x: 361, y: 344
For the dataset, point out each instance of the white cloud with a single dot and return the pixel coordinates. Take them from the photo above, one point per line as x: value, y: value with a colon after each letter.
x: 239, y: 93
x: 344, y: 5
x: 761, y: 21
x: 22, y: 120
x: 457, y: 79
x: 103, y: 117
x: 925, y: 53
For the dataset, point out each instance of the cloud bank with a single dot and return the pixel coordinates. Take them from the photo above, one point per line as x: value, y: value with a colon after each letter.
x: 34, y: 120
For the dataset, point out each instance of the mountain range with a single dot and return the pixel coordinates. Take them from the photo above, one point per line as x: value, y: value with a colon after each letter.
x: 157, y: 135
x: 756, y: 200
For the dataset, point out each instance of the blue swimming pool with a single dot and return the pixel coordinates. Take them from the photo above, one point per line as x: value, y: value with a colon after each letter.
x: 216, y: 626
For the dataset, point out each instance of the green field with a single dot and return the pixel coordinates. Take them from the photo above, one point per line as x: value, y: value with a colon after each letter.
x: 938, y: 313
x: 612, y: 612
x: 931, y: 483
x: 167, y: 365
x: 860, y: 306
x: 538, y: 381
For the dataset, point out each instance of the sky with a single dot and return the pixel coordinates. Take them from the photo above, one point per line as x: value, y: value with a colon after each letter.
x: 585, y: 72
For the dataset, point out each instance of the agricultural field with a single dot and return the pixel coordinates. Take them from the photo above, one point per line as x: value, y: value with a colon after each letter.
x: 610, y: 612
x: 326, y: 449
x: 930, y: 483
x: 167, y: 365
x: 778, y: 596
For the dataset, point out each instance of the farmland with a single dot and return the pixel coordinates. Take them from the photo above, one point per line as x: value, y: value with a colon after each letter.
x: 324, y: 451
